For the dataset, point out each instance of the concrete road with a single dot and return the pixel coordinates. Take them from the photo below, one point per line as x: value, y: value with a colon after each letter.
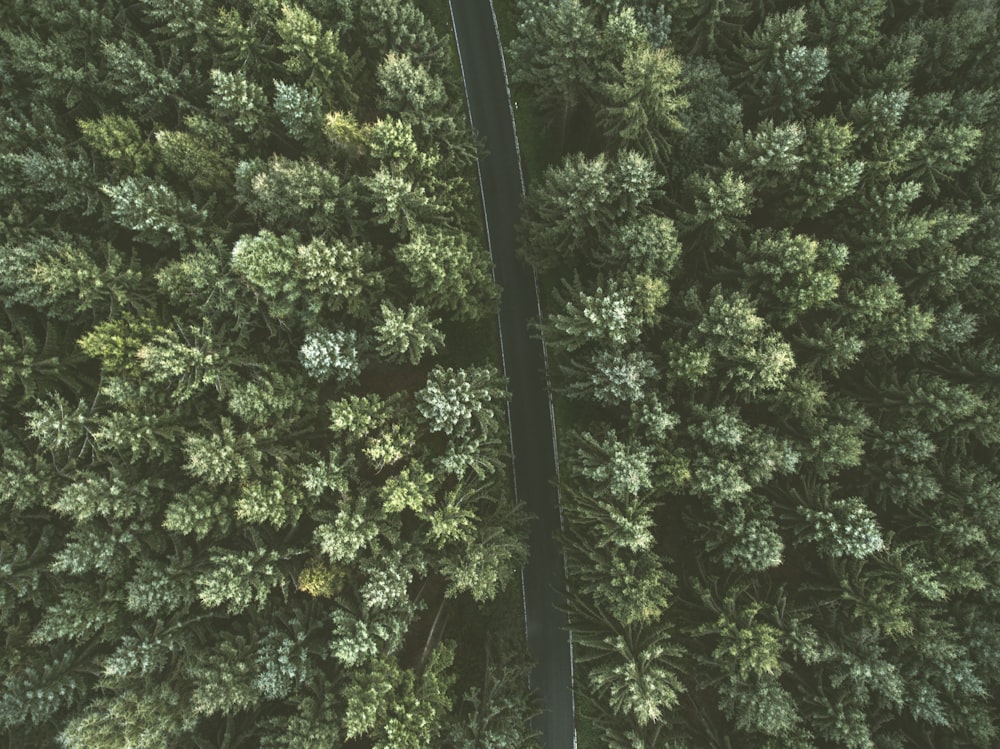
x: 524, y: 364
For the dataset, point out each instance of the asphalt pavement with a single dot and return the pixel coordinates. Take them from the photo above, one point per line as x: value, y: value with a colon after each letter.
x: 524, y: 365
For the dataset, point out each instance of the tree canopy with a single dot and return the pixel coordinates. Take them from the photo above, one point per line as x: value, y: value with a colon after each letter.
x: 767, y: 247
x: 251, y: 476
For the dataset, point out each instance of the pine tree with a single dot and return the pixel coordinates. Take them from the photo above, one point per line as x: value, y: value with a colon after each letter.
x: 203, y: 153
x: 642, y: 102
x: 796, y: 272
x: 578, y: 203
x: 409, y: 89
x: 781, y: 72
x: 236, y: 99
x: 312, y: 54
x: 154, y: 212
x: 238, y: 579
x: 553, y: 55
x: 119, y: 140
x: 407, y: 333
x: 456, y: 401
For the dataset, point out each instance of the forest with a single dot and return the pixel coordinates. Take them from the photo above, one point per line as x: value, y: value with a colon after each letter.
x: 768, y: 233
x: 254, y: 478
x: 254, y: 469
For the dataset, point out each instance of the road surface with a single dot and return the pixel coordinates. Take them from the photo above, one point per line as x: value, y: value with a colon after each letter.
x: 524, y: 365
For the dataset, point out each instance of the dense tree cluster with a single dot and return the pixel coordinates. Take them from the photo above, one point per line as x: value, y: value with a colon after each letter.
x: 246, y: 476
x: 772, y: 250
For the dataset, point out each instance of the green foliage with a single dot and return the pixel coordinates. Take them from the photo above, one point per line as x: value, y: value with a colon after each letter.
x: 312, y: 54
x: 119, y: 140
x: 797, y: 273
x: 133, y: 77
x: 554, y: 54
x: 300, y: 110
x: 485, y: 559
x: 409, y: 89
x: 66, y: 276
x: 238, y: 579
x: 236, y: 99
x: 396, y: 707
x: 203, y: 153
x: 300, y: 280
x: 446, y: 274
x: 457, y: 401
x: 233, y: 237
x: 324, y: 354
x: 604, y: 318
x: 613, y: 378
x: 622, y: 470
x: 778, y: 410
x: 407, y: 334
x: 845, y: 527
x: 720, y: 206
x: 495, y: 710
x: 147, y: 719
x: 153, y: 211
x: 641, y: 102
x: 783, y: 73
x: 580, y: 203
x: 629, y: 668
x: 755, y: 357
x: 223, y: 677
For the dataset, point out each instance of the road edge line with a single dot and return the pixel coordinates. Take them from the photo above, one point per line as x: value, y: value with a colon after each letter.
x: 545, y: 353
x: 493, y: 273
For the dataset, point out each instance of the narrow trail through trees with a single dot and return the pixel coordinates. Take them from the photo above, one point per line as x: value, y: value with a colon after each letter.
x: 535, y: 461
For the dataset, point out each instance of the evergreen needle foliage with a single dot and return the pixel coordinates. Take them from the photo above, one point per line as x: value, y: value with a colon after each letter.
x: 243, y: 501
x: 769, y: 250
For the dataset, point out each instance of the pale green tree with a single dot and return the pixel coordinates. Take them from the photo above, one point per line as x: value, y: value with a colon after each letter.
x: 324, y: 355
x: 647, y: 247
x: 352, y: 529
x: 187, y: 358
x: 399, y: 203
x: 623, y: 469
x: 756, y: 356
x: 222, y: 456
x: 407, y: 334
x: 455, y: 401
x: 141, y: 85
x: 486, y: 561
x: 629, y: 666
x: 154, y: 211
x: 641, y: 102
x: 300, y: 110
x: 313, y: 54
x: 784, y: 73
x: 398, y: 708
x: 409, y: 89
x: 236, y: 99
x: 203, y: 152
x: 199, y: 513
x: 604, y: 318
x: 237, y: 579
x: 798, y: 272
x: 223, y: 676
x: 292, y: 194
x: 578, y: 203
x: 612, y: 378
x: 141, y: 719
x: 119, y: 140
x: 721, y: 205
x: 761, y: 705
